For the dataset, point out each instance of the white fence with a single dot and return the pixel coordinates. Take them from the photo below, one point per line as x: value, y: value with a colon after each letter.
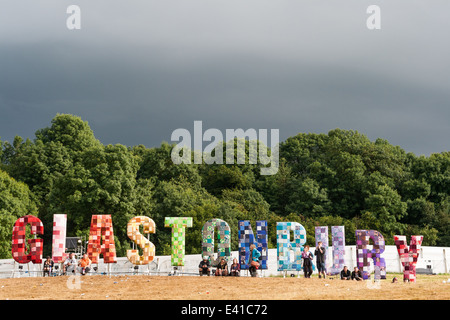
x: 431, y: 260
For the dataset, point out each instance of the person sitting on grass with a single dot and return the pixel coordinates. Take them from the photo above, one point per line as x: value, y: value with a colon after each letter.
x: 253, y: 260
x: 204, y: 266
x: 85, y: 264
x: 222, y: 268
x: 48, y: 266
x: 356, y: 274
x: 235, y: 268
x: 345, y: 274
x: 70, y: 264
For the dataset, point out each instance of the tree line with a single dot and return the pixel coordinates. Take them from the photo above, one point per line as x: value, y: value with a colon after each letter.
x: 339, y: 178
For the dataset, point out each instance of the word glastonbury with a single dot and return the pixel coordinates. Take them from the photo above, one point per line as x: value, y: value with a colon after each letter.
x: 101, y: 242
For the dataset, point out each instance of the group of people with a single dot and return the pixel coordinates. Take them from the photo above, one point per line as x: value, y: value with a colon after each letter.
x: 204, y: 267
x: 354, y: 275
x: 235, y: 268
x: 320, y: 262
x: 70, y: 265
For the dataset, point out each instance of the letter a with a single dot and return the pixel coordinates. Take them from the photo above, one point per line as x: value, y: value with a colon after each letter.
x: 374, y: 20
x: 101, y: 239
x: 74, y: 20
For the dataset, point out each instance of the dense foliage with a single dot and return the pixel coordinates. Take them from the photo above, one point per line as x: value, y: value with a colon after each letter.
x: 339, y: 178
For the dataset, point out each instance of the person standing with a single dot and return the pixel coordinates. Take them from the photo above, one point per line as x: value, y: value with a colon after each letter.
x: 320, y: 259
x: 307, y: 262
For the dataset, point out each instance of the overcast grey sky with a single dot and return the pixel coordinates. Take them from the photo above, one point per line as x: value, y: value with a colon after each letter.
x: 137, y: 70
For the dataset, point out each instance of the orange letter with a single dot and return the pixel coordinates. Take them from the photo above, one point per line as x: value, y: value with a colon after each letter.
x: 101, y: 231
x: 134, y: 234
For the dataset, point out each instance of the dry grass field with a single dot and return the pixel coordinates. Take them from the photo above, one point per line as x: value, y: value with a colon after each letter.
x: 427, y: 287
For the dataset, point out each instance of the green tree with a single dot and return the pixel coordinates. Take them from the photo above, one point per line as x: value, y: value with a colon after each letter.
x: 103, y: 182
x: 16, y: 200
x: 309, y: 199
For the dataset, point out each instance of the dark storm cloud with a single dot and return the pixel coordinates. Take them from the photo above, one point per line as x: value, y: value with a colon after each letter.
x: 136, y: 72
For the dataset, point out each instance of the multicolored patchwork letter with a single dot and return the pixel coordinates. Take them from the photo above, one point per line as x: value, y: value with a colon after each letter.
x: 19, y: 240
x: 148, y: 248
x: 59, y: 237
x: 223, y: 236
x: 321, y: 235
x: 178, y: 226
x: 246, y: 238
x: 338, y: 242
x: 101, y: 239
x: 364, y: 255
x: 408, y: 256
x: 284, y: 245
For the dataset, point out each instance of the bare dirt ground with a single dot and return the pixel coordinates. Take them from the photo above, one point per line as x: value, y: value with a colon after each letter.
x: 139, y: 287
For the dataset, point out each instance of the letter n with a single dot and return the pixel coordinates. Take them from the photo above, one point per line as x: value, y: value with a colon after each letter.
x: 246, y: 238
x: 101, y: 239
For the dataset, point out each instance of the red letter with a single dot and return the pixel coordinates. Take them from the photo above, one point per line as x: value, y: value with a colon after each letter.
x: 101, y: 231
x: 408, y: 256
x: 59, y: 237
x: 19, y: 240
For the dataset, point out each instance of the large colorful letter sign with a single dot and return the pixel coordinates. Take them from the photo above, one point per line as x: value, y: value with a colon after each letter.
x: 101, y: 239
x: 178, y: 226
x: 148, y: 248
x: 19, y: 241
x: 59, y: 237
x: 338, y: 241
x: 246, y: 238
x: 284, y: 245
x: 321, y: 235
x: 364, y: 254
x: 223, y: 236
x: 408, y: 256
